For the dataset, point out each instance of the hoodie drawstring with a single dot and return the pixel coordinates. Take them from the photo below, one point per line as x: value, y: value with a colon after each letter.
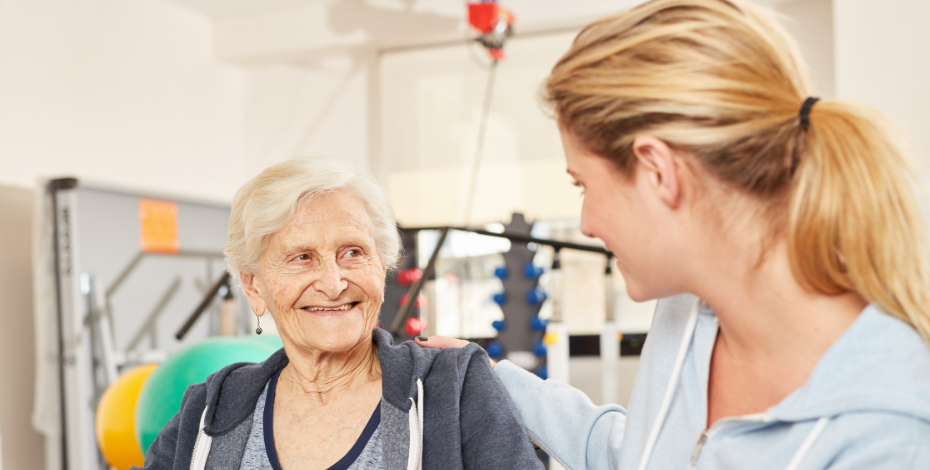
x: 808, y: 443
x: 415, y: 454
x: 201, y: 446
x: 673, y: 385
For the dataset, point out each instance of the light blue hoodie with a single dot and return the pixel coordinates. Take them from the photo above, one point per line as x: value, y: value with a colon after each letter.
x: 865, y: 406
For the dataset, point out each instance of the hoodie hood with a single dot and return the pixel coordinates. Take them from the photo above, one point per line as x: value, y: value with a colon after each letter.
x: 237, y: 387
x: 401, y: 367
x: 879, y: 364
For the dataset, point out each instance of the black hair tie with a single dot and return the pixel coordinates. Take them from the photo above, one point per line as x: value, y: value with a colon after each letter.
x: 805, y: 114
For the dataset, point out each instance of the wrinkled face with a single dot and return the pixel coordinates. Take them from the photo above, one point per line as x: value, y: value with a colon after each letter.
x: 618, y: 210
x: 321, y: 277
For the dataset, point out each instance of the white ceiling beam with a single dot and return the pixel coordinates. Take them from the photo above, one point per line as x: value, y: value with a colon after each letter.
x: 321, y: 29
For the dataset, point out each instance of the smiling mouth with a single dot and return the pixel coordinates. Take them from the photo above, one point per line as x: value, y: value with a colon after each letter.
x: 339, y: 308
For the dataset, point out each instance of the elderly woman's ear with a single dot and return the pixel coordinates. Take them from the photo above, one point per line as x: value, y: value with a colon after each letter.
x: 252, y: 292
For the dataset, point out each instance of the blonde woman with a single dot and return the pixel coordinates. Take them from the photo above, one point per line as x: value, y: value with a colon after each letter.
x: 711, y: 173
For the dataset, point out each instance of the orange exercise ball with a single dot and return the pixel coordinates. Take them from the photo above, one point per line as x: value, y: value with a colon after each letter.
x: 116, y: 427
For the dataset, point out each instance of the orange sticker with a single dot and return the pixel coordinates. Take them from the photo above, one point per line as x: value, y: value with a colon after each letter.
x: 159, y: 226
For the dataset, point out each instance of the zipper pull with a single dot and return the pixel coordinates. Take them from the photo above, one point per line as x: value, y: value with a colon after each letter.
x: 697, y: 448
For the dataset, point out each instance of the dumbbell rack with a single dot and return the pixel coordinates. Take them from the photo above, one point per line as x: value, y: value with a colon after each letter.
x: 552, y: 333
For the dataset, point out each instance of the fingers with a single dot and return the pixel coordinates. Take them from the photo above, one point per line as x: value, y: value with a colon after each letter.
x: 440, y: 342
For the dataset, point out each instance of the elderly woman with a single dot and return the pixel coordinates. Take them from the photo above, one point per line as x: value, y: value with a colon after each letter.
x: 311, y: 242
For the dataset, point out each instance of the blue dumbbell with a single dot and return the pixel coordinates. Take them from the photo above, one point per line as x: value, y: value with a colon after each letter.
x: 540, y: 349
x: 501, y: 272
x: 538, y: 324
x: 531, y: 271
x: 543, y: 373
x: 499, y: 298
x: 536, y: 296
x: 499, y: 325
x: 495, y: 350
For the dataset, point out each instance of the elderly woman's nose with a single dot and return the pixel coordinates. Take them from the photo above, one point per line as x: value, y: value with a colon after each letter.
x: 330, y: 281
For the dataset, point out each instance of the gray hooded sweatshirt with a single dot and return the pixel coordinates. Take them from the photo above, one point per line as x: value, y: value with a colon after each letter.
x: 439, y: 410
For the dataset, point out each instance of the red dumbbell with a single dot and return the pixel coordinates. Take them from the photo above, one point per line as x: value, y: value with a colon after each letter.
x: 414, y: 326
x: 409, y: 276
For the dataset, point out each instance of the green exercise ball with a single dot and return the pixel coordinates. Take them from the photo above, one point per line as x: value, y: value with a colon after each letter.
x: 161, y: 396
x: 271, y: 340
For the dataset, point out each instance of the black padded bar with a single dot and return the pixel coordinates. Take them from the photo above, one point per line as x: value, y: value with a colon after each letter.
x: 520, y: 238
x: 207, y: 298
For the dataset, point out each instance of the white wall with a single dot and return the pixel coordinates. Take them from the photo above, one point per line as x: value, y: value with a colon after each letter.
x: 125, y: 92
x: 120, y: 91
x: 311, y: 108
x: 810, y: 23
x: 883, y: 60
x: 23, y: 447
x: 431, y: 110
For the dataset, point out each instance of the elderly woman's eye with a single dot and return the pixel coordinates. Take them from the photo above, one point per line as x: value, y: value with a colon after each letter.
x: 353, y: 253
x: 302, y: 258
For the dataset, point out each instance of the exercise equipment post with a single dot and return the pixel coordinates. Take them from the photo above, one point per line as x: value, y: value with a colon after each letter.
x: 556, y: 332
x: 557, y: 335
x: 610, y: 341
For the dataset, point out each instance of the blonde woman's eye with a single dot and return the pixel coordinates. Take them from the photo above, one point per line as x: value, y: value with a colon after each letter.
x: 579, y: 185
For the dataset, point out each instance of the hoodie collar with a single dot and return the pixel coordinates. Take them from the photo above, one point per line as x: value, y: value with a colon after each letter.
x: 879, y: 364
x: 236, y: 389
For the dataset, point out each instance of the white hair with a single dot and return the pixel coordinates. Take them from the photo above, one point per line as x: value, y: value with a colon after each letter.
x: 266, y: 204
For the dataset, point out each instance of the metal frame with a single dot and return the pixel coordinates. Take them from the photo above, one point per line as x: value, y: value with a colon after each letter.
x: 84, y: 334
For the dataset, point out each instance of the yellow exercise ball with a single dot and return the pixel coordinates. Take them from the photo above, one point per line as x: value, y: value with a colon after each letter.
x: 116, y: 428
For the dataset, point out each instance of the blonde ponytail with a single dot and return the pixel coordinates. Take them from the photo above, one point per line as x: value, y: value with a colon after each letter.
x: 721, y: 80
x: 853, y: 222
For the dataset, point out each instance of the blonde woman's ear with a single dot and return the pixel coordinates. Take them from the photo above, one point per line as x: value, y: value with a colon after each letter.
x: 662, y: 166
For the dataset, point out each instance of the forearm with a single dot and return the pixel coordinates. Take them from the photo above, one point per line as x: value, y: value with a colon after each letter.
x: 564, y: 421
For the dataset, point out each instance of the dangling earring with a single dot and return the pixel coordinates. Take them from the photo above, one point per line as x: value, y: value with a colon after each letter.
x: 258, y: 324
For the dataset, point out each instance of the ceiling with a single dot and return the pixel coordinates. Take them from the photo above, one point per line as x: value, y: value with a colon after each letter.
x: 225, y: 8
x: 217, y: 9
x: 252, y: 31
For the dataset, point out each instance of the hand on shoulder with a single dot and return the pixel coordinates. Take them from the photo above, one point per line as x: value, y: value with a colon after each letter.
x: 442, y: 342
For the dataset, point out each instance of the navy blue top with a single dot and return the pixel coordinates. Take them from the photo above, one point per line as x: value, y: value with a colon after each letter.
x: 343, y: 463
